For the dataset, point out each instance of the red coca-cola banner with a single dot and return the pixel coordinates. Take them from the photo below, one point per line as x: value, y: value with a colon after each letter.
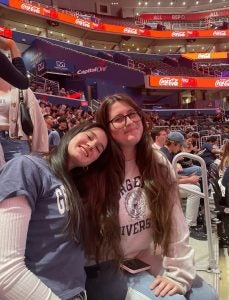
x: 180, y: 82
x: 112, y: 28
x: 6, y: 32
x: 185, y: 17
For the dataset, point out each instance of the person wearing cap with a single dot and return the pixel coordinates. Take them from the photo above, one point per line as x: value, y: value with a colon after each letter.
x: 173, y: 145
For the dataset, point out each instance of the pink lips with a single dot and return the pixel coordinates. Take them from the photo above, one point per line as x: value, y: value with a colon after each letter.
x: 84, y: 150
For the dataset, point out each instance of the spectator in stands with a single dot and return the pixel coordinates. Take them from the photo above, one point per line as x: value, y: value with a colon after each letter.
x: 209, y: 151
x: 62, y: 92
x: 159, y: 136
x: 53, y: 135
x: 15, y: 72
x: 187, y: 164
x: 12, y: 138
x: 42, y: 221
x: 187, y: 184
x: 73, y: 122
x: 62, y: 126
x: 195, y: 142
x: 148, y: 216
x: 40, y: 89
x: 173, y: 145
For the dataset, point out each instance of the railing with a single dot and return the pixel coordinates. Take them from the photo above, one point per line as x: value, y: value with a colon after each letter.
x: 94, y: 105
x: 45, y: 83
x: 212, y: 267
x: 203, y: 139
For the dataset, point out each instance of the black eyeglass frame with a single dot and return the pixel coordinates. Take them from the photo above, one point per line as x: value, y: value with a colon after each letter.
x: 125, y: 118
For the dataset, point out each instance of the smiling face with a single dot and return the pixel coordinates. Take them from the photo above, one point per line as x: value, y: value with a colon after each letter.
x: 131, y: 133
x: 86, y: 147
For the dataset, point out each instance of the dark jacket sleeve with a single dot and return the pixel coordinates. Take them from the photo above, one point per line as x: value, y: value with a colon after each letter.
x: 15, y: 72
x: 225, y: 179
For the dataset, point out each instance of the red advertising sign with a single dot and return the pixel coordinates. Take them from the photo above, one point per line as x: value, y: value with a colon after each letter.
x: 179, y: 82
x: 33, y: 8
x: 117, y: 29
x: 6, y: 32
x: 185, y: 17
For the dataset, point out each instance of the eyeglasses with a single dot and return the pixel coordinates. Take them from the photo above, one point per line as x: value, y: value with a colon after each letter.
x: 119, y: 121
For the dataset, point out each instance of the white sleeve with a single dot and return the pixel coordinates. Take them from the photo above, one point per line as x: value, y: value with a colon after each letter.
x: 179, y: 264
x: 16, y: 280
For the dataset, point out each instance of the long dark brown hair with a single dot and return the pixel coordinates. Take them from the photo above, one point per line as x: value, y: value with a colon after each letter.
x: 79, y: 226
x: 155, y: 173
x: 225, y: 156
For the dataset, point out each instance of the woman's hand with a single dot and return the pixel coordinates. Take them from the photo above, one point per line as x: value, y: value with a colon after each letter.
x: 9, y: 45
x: 5, y: 43
x: 162, y: 286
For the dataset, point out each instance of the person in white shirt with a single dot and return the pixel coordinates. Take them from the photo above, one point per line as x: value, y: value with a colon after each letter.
x: 144, y: 221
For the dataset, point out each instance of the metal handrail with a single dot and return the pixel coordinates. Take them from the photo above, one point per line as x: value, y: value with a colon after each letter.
x: 212, y: 261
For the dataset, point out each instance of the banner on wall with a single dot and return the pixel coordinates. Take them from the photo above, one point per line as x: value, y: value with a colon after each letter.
x: 117, y: 29
x: 78, y: 64
x: 54, y: 66
x: 179, y: 82
x: 185, y: 17
x: 209, y: 55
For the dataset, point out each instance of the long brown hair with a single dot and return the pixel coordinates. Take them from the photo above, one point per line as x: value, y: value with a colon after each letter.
x: 90, y: 177
x: 225, y: 156
x: 156, y: 177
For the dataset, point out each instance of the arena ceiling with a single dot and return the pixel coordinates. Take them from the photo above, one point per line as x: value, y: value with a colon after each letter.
x: 135, y: 7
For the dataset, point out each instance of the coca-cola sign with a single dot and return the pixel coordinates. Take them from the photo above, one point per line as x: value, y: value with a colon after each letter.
x: 204, y: 55
x: 82, y: 23
x: 178, y: 34
x: 219, y: 33
x: 130, y: 30
x: 167, y: 81
x: 222, y: 83
x: 31, y: 8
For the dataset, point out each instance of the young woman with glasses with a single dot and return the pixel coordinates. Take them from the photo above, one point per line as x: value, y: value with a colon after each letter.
x: 144, y: 221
